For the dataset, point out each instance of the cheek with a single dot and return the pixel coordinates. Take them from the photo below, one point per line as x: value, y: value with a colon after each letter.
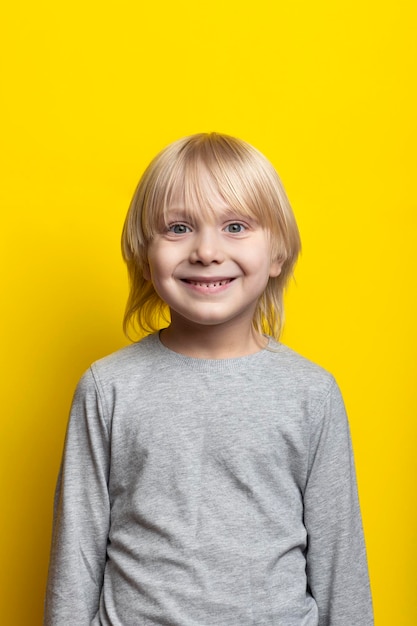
x: 151, y: 268
x: 257, y: 262
x: 159, y: 266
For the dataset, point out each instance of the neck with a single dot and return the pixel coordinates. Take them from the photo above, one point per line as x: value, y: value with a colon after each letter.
x: 212, y: 342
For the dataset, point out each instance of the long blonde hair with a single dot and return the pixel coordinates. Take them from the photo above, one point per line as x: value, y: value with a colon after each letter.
x: 246, y: 181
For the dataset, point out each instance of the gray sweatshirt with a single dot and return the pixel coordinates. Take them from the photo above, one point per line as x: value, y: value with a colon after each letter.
x: 200, y: 492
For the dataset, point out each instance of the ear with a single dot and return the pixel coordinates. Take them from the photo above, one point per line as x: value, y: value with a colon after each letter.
x: 275, y: 268
x: 146, y: 271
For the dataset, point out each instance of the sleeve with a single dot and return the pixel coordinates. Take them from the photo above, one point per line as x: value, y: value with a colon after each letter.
x: 337, y: 571
x: 81, y: 514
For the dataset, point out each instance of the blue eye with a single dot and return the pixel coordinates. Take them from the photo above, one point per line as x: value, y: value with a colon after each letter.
x: 235, y: 228
x: 178, y: 229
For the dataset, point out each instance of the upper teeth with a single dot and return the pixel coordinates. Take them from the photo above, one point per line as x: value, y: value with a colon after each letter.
x: 213, y: 284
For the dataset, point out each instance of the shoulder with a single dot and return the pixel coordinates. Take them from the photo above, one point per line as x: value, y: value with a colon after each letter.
x: 298, y: 376
x: 117, y: 378
x: 125, y: 366
x: 292, y: 364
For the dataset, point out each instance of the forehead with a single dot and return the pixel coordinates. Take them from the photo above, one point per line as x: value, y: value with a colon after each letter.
x: 198, y: 183
x: 201, y: 193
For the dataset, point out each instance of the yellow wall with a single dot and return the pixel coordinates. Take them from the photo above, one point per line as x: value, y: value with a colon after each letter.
x: 91, y: 90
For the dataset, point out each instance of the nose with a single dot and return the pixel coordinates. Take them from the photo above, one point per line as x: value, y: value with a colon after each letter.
x: 207, y: 248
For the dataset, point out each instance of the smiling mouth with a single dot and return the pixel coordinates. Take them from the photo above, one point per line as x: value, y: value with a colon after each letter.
x: 208, y: 284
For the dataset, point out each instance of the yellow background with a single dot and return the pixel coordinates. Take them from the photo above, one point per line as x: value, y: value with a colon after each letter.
x: 90, y: 92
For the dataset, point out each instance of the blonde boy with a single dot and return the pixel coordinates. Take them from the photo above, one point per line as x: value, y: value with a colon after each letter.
x: 207, y: 477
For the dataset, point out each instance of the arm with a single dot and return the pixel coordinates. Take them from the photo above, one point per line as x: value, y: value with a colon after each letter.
x: 337, y: 570
x: 81, y: 514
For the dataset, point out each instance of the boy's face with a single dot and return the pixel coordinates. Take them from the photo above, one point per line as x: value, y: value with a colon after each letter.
x: 211, y: 268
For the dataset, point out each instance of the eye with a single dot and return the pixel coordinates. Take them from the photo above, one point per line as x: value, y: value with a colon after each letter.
x: 179, y: 229
x: 235, y: 228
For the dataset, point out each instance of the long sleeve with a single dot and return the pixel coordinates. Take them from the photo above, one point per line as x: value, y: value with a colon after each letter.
x: 81, y: 514
x: 336, y: 560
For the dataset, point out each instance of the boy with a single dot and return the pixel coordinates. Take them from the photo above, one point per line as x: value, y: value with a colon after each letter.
x: 208, y: 477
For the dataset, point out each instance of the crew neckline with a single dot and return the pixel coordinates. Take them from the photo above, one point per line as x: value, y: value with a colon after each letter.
x: 216, y: 364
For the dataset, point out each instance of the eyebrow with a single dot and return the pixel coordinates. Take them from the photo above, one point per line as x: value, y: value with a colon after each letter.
x: 177, y: 213
x: 182, y: 213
